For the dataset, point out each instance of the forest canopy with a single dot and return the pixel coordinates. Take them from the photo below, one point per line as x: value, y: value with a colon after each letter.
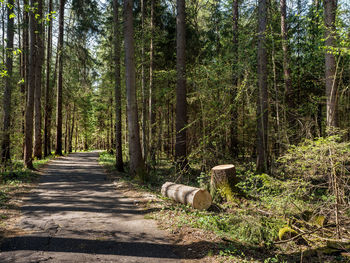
x: 208, y: 82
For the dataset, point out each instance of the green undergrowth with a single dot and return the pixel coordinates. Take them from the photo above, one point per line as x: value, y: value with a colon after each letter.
x: 156, y: 177
x: 263, y: 204
x: 238, y: 224
x: 233, y: 223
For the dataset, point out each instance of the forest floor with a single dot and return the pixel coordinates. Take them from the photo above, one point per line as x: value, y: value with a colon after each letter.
x: 79, y: 212
x: 240, y: 231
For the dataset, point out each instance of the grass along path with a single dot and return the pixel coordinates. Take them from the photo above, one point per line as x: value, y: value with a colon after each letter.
x: 240, y: 231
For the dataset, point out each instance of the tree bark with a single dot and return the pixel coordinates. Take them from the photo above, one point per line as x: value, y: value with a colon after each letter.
x: 262, y: 109
x: 67, y: 130
x: 223, y: 180
x: 330, y: 9
x: 25, y: 67
x: 136, y: 161
x: 234, y: 114
x: 151, y: 114
x: 33, y: 56
x: 48, y: 90
x: 70, y: 142
x: 60, y: 81
x: 288, y: 95
x: 117, y: 92
x: 143, y: 81
x: 5, y: 147
x: 38, y: 74
x: 196, y: 197
x: 181, y: 103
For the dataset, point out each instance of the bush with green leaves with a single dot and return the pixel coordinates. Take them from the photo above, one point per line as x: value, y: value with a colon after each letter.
x: 323, y: 164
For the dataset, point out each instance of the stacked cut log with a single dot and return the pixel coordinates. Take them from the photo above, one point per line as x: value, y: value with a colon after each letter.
x: 196, y: 197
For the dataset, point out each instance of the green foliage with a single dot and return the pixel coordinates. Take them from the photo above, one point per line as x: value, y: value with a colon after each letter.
x: 316, y: 159
x: 240, y: 225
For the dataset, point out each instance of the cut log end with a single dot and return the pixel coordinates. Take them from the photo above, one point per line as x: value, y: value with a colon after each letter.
x: 223, y: 167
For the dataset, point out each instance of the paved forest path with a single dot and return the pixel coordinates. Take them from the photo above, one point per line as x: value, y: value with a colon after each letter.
x: 76, y: 215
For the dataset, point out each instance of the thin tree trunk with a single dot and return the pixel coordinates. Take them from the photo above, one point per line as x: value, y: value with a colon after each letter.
x: 76, y: 136
x: 70, y: 143
x: 66, y: 133
x: 143, y: 81
x: 136, y: 161
x: 48, y: 90
x: 3, y: 31
x: 25, y: 67
x: 111, y: 120
x: 330, y: 9
x: 234, y: 114
x: 5, y: 147
x: 181, y: 104
x: 38, y: 74
x: 117, y: 92
x: 288, y: 94
x: 262, y: 109
x: 33, y: 54
x: 151, y: 115
x: 60, y: 81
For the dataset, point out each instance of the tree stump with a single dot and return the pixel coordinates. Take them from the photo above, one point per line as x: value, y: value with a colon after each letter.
x: 196, y: 197
x: 223, y: 181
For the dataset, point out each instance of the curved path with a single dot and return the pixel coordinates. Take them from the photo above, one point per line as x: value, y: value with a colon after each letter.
x: 76, y: 215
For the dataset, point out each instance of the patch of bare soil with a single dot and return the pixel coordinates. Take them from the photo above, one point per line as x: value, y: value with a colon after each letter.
x: 10, y: 210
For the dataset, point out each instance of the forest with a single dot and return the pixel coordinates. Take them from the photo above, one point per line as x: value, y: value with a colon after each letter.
x: 169, y: 89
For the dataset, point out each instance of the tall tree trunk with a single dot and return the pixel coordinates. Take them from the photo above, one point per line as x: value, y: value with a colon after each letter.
x: 288, y: 95
x: 234, y: 114
x: 60, y: 81
x: 181, y: 104
x: 330, y: 9
x: 25, y: 67
x: 5, y: 147
x: 48, y: 90
x: 117, y: 92
x: 151, y: 110
x: 3, y: 14
x: 143, y: 81
x: 136, y: 162
x: 262, y: 109
x: 33, y: 56
x: 38, y: 74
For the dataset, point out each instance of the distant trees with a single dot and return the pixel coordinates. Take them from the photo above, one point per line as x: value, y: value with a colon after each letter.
x: 210, y: 82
